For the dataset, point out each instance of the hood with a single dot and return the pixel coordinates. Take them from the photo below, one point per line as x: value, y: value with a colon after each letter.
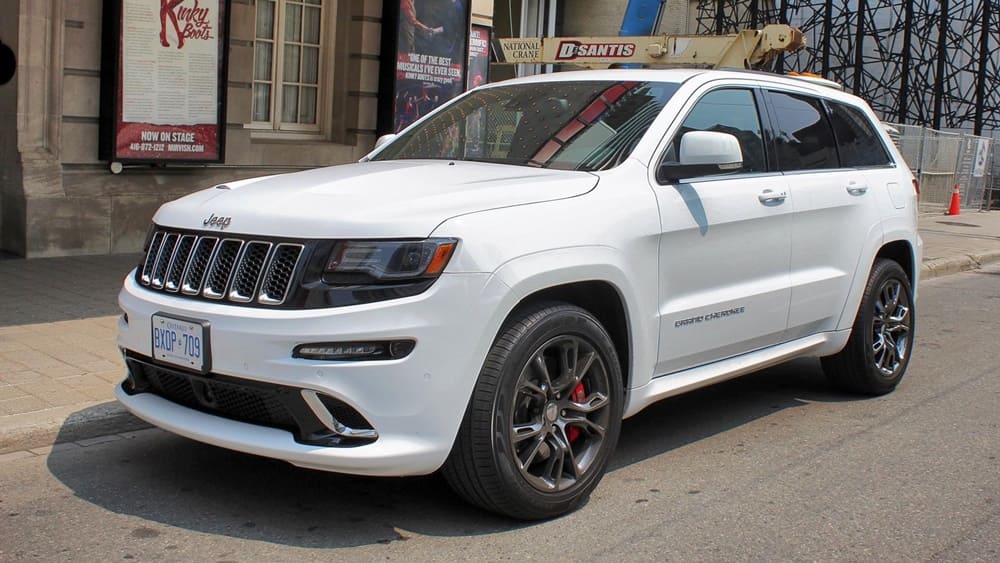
x: 402, y: 198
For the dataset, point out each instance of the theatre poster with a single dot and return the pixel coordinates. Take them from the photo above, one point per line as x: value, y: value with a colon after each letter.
x: 164, y: 100
x: 430, y: 49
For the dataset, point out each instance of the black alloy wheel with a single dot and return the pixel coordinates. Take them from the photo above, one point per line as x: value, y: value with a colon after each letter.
x: 544, y: 417
x: 876, y: 356
x: 561, y: 413
x: 890, y: 327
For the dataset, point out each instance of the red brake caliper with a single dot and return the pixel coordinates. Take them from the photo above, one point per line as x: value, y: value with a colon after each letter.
x: 579, y: 395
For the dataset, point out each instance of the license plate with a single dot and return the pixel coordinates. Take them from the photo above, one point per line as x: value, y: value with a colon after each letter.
x: 181, y: 342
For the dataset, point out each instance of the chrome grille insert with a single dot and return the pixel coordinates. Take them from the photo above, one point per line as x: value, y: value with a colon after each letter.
x: 200, y: 259
x: 222, y: 268
x: 230, y: 269
x: 166, y: 254
x: 179, y: 262
x: 279, y: 275
x: 251, y: 264
x: 151, y: 256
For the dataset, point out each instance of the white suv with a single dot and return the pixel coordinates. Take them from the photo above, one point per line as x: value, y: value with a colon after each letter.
x: 490, y: 292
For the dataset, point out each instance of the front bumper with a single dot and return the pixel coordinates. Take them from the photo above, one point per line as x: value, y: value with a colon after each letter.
x: 415, y: 404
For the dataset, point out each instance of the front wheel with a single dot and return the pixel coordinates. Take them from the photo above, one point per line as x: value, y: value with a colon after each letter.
x: 876, y: 356
x: 544, y: 417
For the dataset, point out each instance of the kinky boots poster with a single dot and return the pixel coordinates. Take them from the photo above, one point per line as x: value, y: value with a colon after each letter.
x: 164, y: 98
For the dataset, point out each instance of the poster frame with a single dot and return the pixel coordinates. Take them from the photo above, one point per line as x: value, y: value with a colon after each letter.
x: 390, y: 43
x: 489, y: 53
x: 112, y: 91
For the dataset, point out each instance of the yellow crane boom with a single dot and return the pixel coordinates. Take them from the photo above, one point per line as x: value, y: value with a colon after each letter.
x: 751, y: 48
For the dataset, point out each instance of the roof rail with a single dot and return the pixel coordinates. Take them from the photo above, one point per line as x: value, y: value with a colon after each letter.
x: 815, y: 79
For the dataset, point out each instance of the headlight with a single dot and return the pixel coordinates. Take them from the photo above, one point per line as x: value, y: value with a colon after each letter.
x: 372, y: 261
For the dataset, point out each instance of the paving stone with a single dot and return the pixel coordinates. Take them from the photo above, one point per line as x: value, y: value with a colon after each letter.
x: 100, y: 393
x: 34, y: 358
x: 103, y: 366
x: 22, y: 405
x: 82, y: 381
x: 10, y: 366
x: 54, y: 393
x: 8, y: 392
x: 112, y: 376
x: 24, y: 376
x: 15, y: 455
x: 8, y: 344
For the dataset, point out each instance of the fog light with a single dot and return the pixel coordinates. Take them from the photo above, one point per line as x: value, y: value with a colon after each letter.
x: 354, y: 351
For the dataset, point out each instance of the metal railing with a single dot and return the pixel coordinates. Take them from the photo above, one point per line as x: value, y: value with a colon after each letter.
x: 942, y: 159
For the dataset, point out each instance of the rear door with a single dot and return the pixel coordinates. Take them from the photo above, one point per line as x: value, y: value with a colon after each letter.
x: 834, y: 205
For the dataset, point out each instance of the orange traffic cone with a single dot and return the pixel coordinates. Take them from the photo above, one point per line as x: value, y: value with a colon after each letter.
x: 956, y: 201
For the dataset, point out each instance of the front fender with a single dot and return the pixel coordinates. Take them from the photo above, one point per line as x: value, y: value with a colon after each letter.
x: 529, y: 274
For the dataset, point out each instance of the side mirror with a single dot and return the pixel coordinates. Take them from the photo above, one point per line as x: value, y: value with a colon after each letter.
x: 379, y: 143
x: 703, y: 153
x: 385, y: 140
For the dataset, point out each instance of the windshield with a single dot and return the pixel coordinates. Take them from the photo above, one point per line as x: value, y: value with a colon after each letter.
x: 592, y: 125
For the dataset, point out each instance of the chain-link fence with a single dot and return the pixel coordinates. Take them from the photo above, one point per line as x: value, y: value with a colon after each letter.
x: 941, y: 160
x: 991, y: 191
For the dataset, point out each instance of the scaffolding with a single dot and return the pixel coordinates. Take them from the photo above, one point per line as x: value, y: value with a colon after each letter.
x: 926, y: 62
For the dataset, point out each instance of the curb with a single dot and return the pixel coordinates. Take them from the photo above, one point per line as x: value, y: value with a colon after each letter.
x: 65, y: 424
x: 938, y: 267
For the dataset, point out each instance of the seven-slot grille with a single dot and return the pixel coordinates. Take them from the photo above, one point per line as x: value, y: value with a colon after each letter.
x: 221, y: 267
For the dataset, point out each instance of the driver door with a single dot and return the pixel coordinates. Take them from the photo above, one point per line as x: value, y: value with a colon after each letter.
x: 725, y: 245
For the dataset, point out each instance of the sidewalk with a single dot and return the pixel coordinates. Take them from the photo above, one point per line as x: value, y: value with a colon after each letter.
x: 58, y: 317
x: 58, y: 358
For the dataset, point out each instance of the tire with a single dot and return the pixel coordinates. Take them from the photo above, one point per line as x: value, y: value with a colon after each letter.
x: 544, y: 416
x: 878, y: 351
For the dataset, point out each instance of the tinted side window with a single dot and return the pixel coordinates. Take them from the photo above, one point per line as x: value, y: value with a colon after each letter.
x: 732, y: 111
x: 856, y: 138
x: 805, y: 140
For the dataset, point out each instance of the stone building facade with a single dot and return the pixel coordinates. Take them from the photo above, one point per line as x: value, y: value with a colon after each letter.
x: 58, y: 198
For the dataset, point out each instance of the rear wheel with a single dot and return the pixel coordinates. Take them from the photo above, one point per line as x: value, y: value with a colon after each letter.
x: 876, y: 356
x: 544, y: 416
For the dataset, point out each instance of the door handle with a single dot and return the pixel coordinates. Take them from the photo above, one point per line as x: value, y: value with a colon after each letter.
x: 855, y: 188
x: 771, y: 196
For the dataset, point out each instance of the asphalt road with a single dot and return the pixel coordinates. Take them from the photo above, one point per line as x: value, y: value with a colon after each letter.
x: 771, y: 466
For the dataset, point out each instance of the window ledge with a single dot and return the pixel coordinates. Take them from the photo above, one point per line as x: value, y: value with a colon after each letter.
x: 272, y: 136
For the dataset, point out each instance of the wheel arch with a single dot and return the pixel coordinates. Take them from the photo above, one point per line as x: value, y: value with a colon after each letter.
x: 600, y: 298
x: 901, y: 252
x: 613, y: 284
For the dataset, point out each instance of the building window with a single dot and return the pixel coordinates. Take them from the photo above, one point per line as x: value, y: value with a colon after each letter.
x: 288, y: 72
